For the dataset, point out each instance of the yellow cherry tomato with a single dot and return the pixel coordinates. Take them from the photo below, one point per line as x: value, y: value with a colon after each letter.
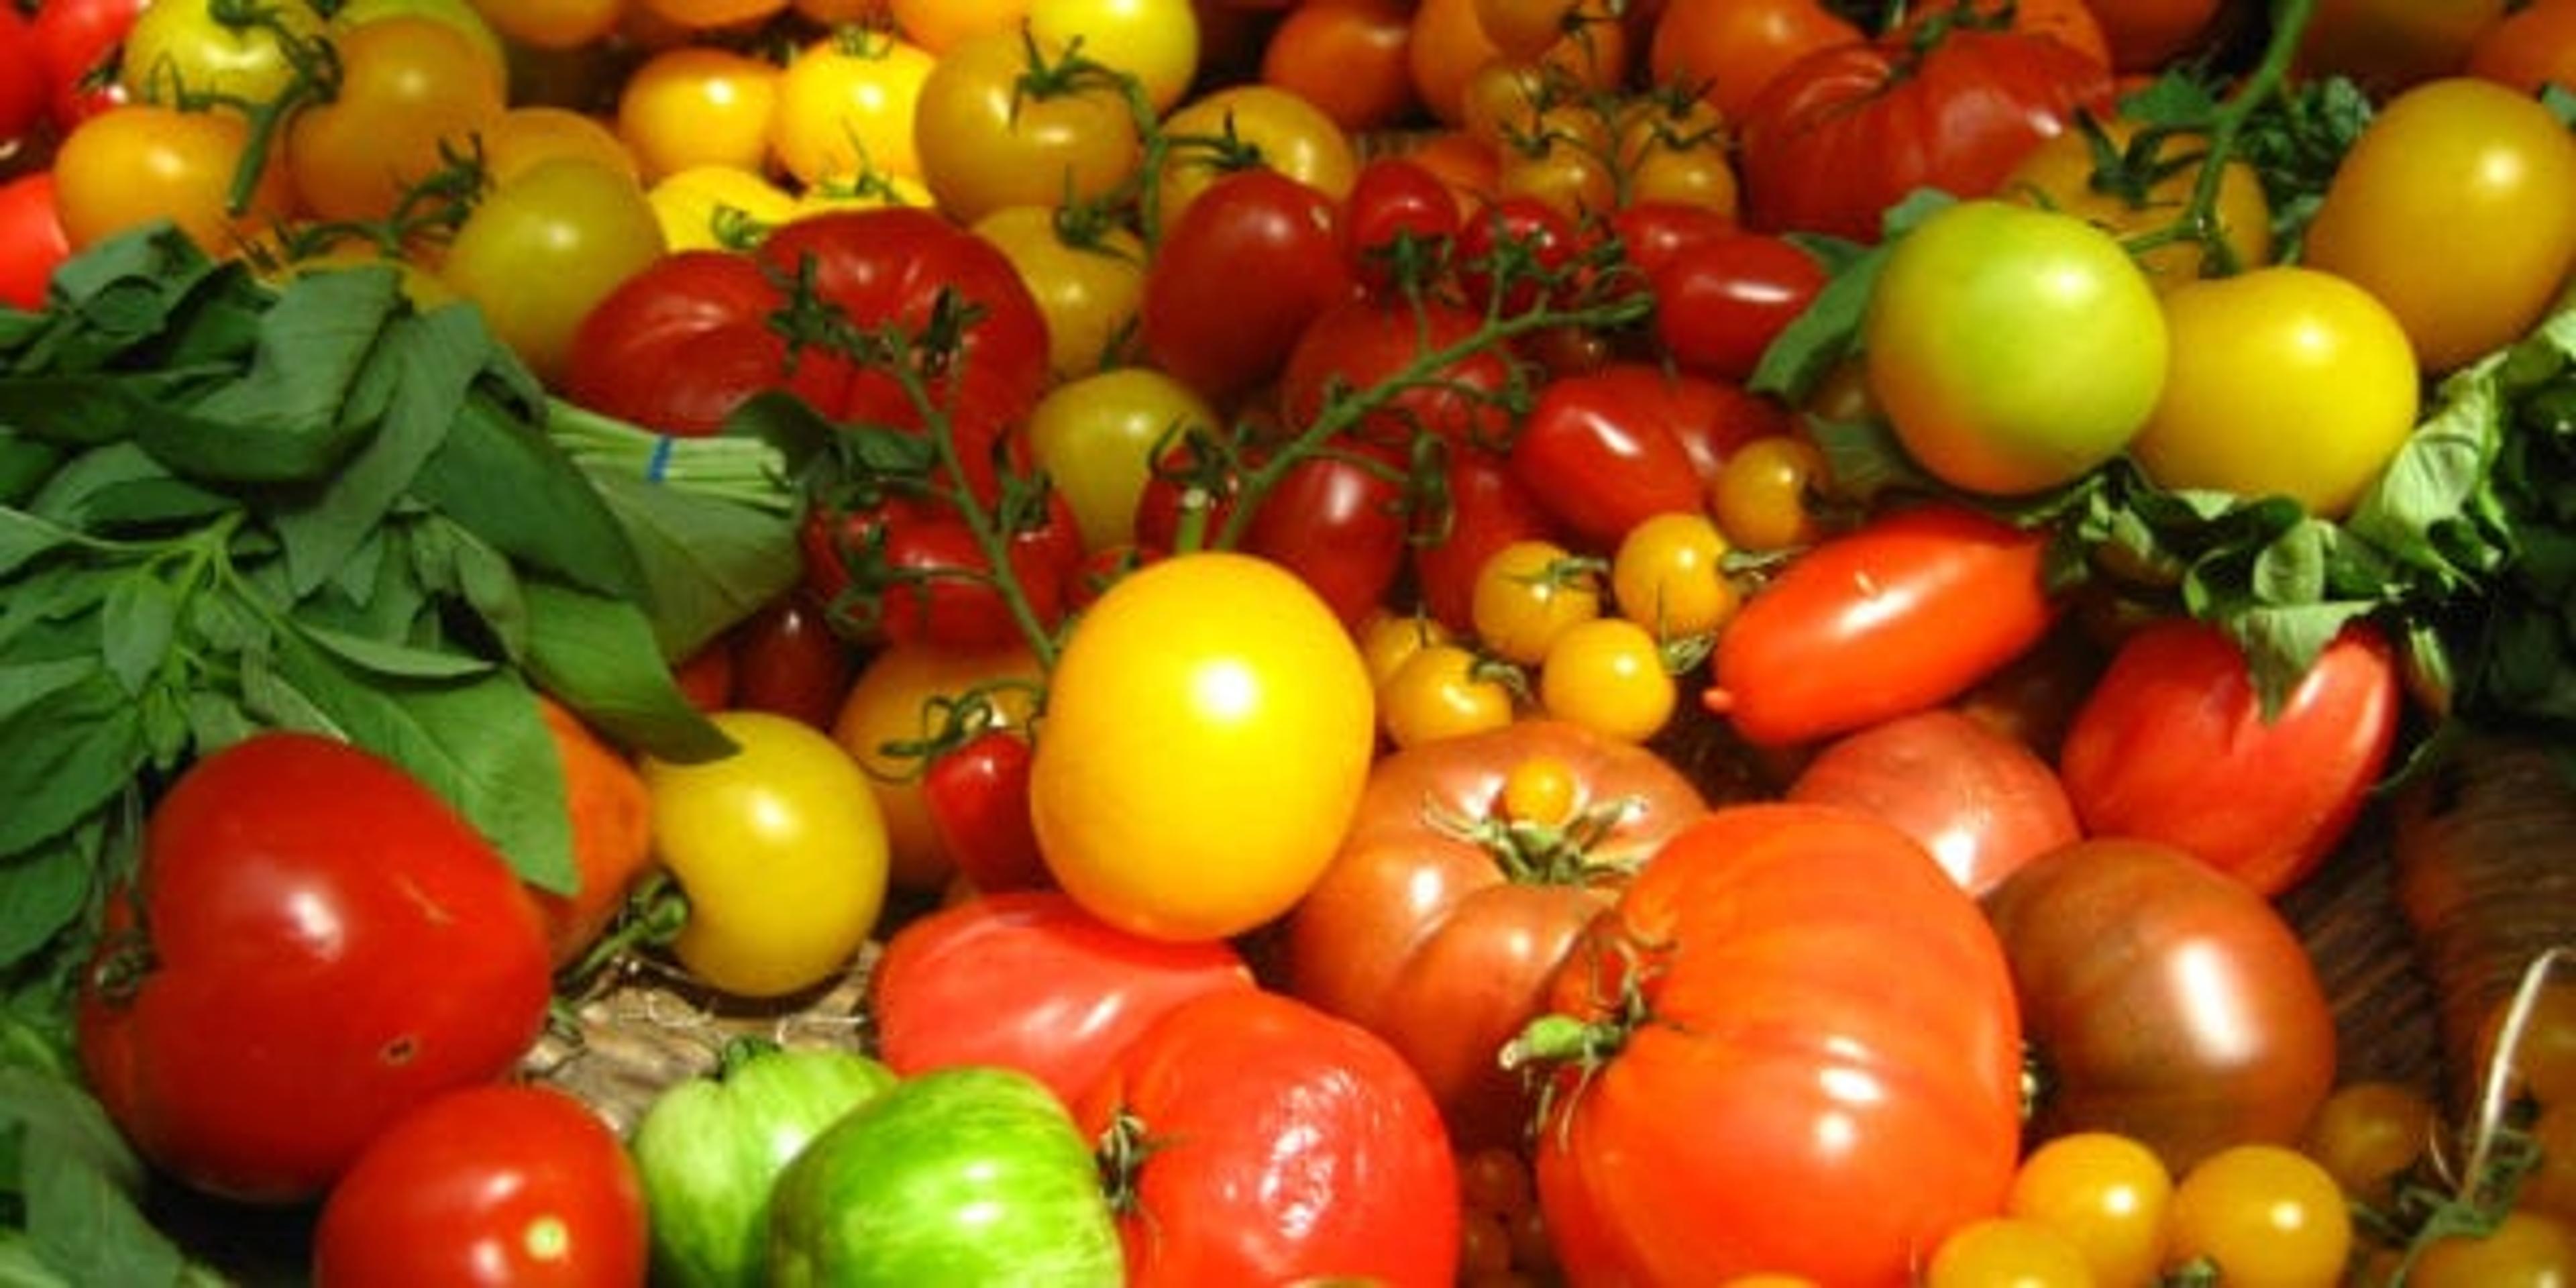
x: 1608, y: 674
x: 890, y: 703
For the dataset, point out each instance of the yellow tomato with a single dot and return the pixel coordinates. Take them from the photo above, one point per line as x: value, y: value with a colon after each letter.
x: 1155, y: 41
x: 698, y: 105
x: 781, y: 851
x: 845, y: 108
x: 533, y: 132
x: 888, y: 704
x: 1207, y: 733
x: 1095, y: 436
x: 547, y: 245
x: 718, y: 207
x: 2059, y: 173
x: 1090, y: 292
x: 1291, y: 135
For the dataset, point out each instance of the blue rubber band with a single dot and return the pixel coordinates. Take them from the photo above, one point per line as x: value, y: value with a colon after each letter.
x: 659, y: 463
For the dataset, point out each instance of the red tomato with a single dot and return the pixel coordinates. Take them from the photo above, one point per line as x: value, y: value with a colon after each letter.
x: 1261, y: 1140
x: 314, y: 945
x: 1902, y: 613
x: 1711, y: 417
x: 1721, y: 301
x: 787, y: 659
x: 512, y: 1184
x: 1347, y: 57
x: 1395, y: 200
x: 2173, y: 745
x: 1600, y: 462
x: 32, y: 241
x: 1804, y: 1058
x: 1649, y: 233
x: 1847, y: 131
x: 1338, y: 520
x: 22, y: 81
x: 2162, y: 1001
x: 1253, y: 260
x: 1730, y: 51
x: 714, y: 307
x: 1027, y: 979
x: 1487, y: 508
x: 1982, y: 802
x: 2144, y: 35
x: 907, y: 569
x: 1444, y: 915
x: 978, y: 793
x: 1517, y: 252
x: 1370, y: 347
x: 77, y: 41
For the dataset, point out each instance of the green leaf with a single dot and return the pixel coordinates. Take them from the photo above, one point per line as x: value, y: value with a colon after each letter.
x: 81, y: 1188
x: 136, y: 627
x: 41, y: 892
x: 71, y: 750
x: 392, y: 659
x: 1822, y: 335
x: 116, y: 296
x: 509, y: 484
x: 25, y: 464
x: 711, y: 562
x: 2282, y: 641
x: 281, y: 421
x: 599, y: 657
x: 478, y: 743
x: 24, y: 536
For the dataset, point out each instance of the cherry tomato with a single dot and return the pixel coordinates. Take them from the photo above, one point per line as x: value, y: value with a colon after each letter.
x: 1156, y: 42
x: 188, y: 52
x: 2524, y: 1248
x: 847, y: 102
x: 2007, y: 1250
x: 1350, y: 58
x: 1528, y: 593
x: 78, y: 43
x: 2266, y: 1216
x: 1728, y: 52
x: 2369, y: 1133
x: 1721, y: 300
x: 1003, y: 123
x: 2106, y: 1192
x: 2531, y: 46
x: 787, y: 659
x: 891, y: 704
x: 2390, y: 45
x: 412, y: 89
x: 1096, y: 436
x: 1764, y: 493
x: 1444, y: 690
x: 1284, y: 132
x: 698, y: 104
x: 1608, y: 674
x: 553, y: 25
x: 544, y: 247
x: 1237, y: 280
x: 2144, y: 35
x: 1669, y: 576
x: 136, y: 163
x: 1600, y: 461
x: 33, y: 242
x: 2141, y: 192
x: 1088, y: 281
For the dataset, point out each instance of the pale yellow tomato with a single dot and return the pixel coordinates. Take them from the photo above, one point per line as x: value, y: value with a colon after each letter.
x: 1088, y: 278
x: 1096, y: 435
x: 1155, y: 41
x: 718, y: 207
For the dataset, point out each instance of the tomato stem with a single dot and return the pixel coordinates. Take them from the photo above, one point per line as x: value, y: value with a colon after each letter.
x: 2199, y: 217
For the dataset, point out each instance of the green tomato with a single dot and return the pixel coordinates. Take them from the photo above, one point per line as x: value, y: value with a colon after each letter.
x: 710, y: 1150
x: 960, y: 1176
x: 1095, y: 436
x: 2012, y: 349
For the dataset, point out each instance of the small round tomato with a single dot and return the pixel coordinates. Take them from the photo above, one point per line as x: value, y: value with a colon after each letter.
x: 1087, y: 275
x: 698, y: 104
x: 1208, y: 729
x: 2524, y: 1248
x: 553, y: 25
x: 2265, y: 1216
x: 1978, y: 316
x: 1764, y: 493
x: 1729, y: 52
x: 1096, y: 437
x: 1154, y: 41
x: 941, y: 25
x: 1720, y: 300
x: 1283, y: 132
x: 846, y: 105
x: 1347, y: 57
x: 1444, y: 690
x: 2107, y: 1192
x: 1528, y: 593
x: 2007, y: 1250
x: 2142, y: 194
x: 533, y: 132
x: 2368, y: 1133
x: 32, y: 241
x: 195, y: 51
x: 412, y: 90
x: 895, y: 701
x: 542, y: 249
x: 2283, y: 381
x: 1669, y: 575
x: 1002, y: 122
x: 516, y: 1184
x: 2531, y: 46
x: 139, y: 162
x: 717, y: 206
x: 781, y: 850
x: 2486, y: 173
x: 1608, y: 674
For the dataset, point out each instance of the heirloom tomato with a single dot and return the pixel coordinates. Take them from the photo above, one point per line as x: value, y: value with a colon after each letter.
x: 509, y: 1185
x: 1980, y: 800
x: 1791, y: 1045
x: 1028, y: 980
x: 1977, y: 314
x: 2175, y: 744
x: 780, y: 849
x: 1255, y: 1139
x: 1904, y: 612
x: 2161, y: 1000
x: 898, y: 700
x: 1001, y: 122
x: 1207, y: 735
x: 2283, y: 381
x: 314, y: 945
x: 1849, y: 130
x: 1447, y: 909
x: 1235, y: 283
x: 2138, y: 192
x: 2486, y: 172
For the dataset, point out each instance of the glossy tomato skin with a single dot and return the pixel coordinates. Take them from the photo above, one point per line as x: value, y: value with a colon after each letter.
x: 32, y: 241
x: 1902, y: 613
x: 2162, y: 1000
x: 711, y: 305
x: 2172, y: 745
x: 1360, y: 344
x: 1601, y: 462
x: 304, y: 989
x: 1984, y: 803
x: 1280, y: 1144
x: 1028, y: 979
x: 510, y: 1184
x: 1849, y: 130
x: 1488, y: 508
x: 1237, y: 278
x: 1820, y: 1068
x: 1437, y: 929
x: 1338, y: 520
x: 1720, y: 301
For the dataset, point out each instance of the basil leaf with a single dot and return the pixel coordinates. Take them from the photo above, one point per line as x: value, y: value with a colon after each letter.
x: 281, y: 420
x: 509, y: 484
x: 711, y: 562
x: 71, y: 750
x: 136, y: 626
x: 598, y: 656
x: 24, y: 536
x: 41, y: 892
x: 392, y: 660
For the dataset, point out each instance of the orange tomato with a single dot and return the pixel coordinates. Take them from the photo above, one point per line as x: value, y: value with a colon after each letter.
x: 2530, y: 47
x: 612, y: 833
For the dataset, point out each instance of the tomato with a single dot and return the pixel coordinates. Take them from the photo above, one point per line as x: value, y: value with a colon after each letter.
x: 610, y: 818
x: 1446, y: 910
x: 1448, y: 47
x: 1763, y: 496
x: 188, y: 52
x: 1219, y: 132
x: 33, y: 242
x: 1721, y: 300
x: 892, y: 703
x: 1611, y: 675
x: 1154, y: 41
x: 2107, y: 1192
x: 1003, y: 123
x: 542, y: 249
x: 2265, y: 1216
x: 136, y: 163
x: 1088, y: 281
x: 2524, y: 1248
x: 1902, y: 613
x: 2162, y: 1000
x: 698, y: 104
x: 511, y: 1184
x: 2391, y: 45
x: 1337, y: 520
x: 2176, y: 722
x: 412, y: 91
x: 717, y: 206
x: 1417, y: 366
x: 1208, y: 730
x: 1446, y: 690
x: 713, y: 306
x: 2283, y: 381
x: 787, y: 659
x: 1669, y: 575
x: 2007, y: 1250
x: 940, y: 25
x: 1257, y: 1139
x: 1803, y: 1055
x: 1236, y: 281
x: 973, y: 1174
x: 553, y: 25
x: 1982, y: 802
x: 529, y: 133
x: 709, y: 1149
x: 1487, y: 508
x: 908, y: 569
x: 2144, y: 35
x: 2505, y: 169
x: 1847, y: 131
x: 847, y: 102
x: 977, y: 789
x: 298, y: 991
x: 78, y: 43
x: 1530, y: 592
x: 1601, y: 463
x: 1096, y: 435
x: 2369, y: 1134
x: 22, y: 82
x: 782, y: 853
x: 1977, y: 313
x: 1729, y: 52
x: 2141, y: 194
x: 1350, y: 58
x: 2529, y: 47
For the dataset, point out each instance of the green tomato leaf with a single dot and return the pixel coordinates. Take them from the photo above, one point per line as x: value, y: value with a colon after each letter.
x: 598, y: 655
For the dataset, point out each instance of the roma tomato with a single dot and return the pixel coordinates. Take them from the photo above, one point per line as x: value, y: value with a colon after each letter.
x: 1847, y: 131
x: 1236, y: 282
x: 780, y: 849
x: 1977, y: 314
x: 314, y: 945
x: 1451, y: 904
x: 1260, y: 1140
x: 2483, y: 171
x: 501, y: 1185
x: 2176, y: 724
x: 1799, y: 1052
x: 1981, y: 801
x: 1208, y: 731
x: 1027, y: 980
x: 1902, y: 613
x: 2162, y: 1001
x: 1721, y: 300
